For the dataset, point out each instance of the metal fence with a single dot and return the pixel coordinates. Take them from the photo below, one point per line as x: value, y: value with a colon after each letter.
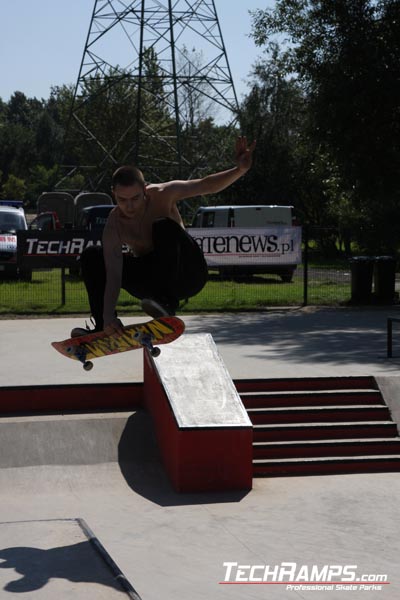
x: 318, y: 280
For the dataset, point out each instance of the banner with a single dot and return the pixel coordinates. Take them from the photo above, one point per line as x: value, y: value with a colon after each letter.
x: 221, y: 247
x: 257, y: 246
x: 61, y: 248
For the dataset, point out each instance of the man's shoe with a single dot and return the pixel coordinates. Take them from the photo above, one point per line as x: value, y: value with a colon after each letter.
x: 80, y: 331
x: 155, y: 309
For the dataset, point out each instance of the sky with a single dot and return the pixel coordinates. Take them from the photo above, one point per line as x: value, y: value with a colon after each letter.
x: 42, y: 42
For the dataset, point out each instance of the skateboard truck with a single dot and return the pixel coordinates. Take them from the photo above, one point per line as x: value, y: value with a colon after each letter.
x: 146, y: 340
x: 80, y: 354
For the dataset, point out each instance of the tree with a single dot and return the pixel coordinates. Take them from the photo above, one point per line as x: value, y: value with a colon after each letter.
x: 288, y: 166
x: 48, y: 140
x: 346, y: 56
x: 20, y: 147
x: 14, y: 188
x: 22, y: 110
x: 41, y: 180
x: 17, y: 149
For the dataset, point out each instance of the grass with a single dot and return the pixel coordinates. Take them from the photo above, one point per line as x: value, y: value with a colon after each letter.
x: 44, y: 294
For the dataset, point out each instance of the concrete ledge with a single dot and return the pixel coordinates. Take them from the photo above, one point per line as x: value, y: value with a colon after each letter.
x: 74, y: 439
x: 203, y: 430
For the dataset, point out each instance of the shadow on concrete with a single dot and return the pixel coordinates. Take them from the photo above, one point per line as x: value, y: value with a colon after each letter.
x: 324, y: 335
x: 141, y: 466
x: 77, y: 563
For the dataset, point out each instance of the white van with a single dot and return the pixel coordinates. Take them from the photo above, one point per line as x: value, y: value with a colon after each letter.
x: 260, y: 215
x: 250, y: 216
x: 12, y: 220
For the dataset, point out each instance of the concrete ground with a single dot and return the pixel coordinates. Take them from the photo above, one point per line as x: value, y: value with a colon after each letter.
x: 174, y: 546
x: 304, y: 342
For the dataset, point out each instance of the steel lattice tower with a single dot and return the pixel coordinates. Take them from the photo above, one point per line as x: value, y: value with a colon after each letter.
x: 151, y: 72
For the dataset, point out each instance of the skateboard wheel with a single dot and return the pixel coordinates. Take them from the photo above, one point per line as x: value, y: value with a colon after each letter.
x: 155, y: 352
x: 88, y: 365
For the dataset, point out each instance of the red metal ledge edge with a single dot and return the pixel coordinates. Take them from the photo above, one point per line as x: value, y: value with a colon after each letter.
x: 113, y: 396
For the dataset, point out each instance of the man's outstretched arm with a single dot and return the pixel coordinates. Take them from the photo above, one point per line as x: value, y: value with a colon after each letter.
x: 212, y: 184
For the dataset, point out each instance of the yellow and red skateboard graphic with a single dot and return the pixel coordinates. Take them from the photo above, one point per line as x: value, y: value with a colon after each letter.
x: 145, y: 335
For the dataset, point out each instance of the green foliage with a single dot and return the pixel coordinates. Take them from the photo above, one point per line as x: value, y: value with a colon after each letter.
x: 14, y: 188
x: 273, y: 113
x: 345, y: 55
x: 41, y: 179
x: 30, y: 144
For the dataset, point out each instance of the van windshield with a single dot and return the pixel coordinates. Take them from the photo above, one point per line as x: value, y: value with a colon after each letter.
x: 11, y: 223
x: 204, y: 219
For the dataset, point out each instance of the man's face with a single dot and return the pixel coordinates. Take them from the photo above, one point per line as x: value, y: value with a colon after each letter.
x: 130, y: 199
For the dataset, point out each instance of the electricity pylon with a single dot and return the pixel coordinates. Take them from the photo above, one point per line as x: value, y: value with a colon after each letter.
x: 152, y: 75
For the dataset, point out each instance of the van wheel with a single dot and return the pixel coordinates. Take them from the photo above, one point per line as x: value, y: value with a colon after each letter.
x: 287, y: 277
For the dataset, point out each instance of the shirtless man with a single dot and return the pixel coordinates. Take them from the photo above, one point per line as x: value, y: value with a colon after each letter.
x: 163, y: 264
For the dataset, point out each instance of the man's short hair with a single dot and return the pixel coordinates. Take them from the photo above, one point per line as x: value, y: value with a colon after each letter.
x: 127, y: 175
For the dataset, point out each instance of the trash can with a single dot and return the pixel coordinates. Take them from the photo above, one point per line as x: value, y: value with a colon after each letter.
x: 384, y: 279
x: 362, y: 268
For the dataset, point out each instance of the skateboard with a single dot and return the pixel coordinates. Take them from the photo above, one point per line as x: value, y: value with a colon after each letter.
x: 144, y: 335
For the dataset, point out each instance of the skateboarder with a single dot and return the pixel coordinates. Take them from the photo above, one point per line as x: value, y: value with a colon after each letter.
x: 163, y: 263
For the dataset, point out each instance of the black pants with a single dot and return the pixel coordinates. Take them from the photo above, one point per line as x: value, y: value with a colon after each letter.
x: 173, y: 270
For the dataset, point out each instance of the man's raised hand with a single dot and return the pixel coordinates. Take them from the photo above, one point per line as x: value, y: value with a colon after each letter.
x: 244, y: 153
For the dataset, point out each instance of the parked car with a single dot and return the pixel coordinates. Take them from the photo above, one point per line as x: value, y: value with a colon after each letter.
x: 46, y: 221
x: 69, y: 208
x: 14, y: 203
x: 60, y: 202
x: 86, y: 199
x: 93, y: 218
x: 11, y: 220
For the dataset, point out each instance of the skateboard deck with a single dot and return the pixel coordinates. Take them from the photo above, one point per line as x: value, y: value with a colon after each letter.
x: 144, y: 335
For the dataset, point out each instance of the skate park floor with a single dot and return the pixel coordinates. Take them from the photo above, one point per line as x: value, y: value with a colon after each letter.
x: 304, y: 342
x: 174, y: 546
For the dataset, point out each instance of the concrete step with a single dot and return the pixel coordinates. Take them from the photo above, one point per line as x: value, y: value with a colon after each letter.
x: 327, y: 466
x: 75, y: 439
x: 307, y: 383
x: 320, y: 426
x: 318, y: 414
x: 311, y: 398
x: 323, y: 431
x: 324, y: 448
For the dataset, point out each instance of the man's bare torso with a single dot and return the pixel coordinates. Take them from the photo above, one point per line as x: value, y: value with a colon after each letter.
x: 136, y: 231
